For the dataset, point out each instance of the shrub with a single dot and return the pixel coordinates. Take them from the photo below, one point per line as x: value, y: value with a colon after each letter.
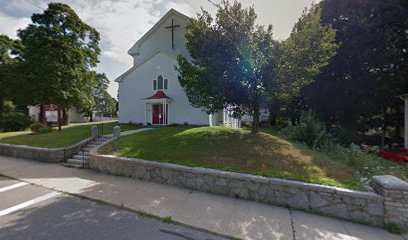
x: 46, y: 129
x: 36, y: 127
x: 14, y: 122
x: 314, y: 133
x: 310, y: 131
x: 40, y: 128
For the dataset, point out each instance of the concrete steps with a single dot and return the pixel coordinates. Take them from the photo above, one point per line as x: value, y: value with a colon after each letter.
x: 81, y: 159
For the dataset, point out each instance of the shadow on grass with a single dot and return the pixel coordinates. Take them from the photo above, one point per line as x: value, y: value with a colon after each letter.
x: 234, y: 150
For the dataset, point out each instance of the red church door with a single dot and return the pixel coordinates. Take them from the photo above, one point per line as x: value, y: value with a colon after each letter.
x: 157, y: 114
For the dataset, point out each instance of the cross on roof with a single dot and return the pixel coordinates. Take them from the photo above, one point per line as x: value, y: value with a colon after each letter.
x: 172, y: 31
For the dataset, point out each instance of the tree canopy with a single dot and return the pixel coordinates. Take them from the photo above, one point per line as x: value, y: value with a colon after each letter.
x: 362, y: 81
x: 10, y: 56
x: 237, y: 64
x: 105, y: 104
x: 60, y: 50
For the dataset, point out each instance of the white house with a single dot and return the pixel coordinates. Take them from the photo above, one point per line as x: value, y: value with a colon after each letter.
x: 150, y: 92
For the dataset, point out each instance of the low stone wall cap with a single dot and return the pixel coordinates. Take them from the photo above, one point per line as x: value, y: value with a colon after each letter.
x: 390, y: 182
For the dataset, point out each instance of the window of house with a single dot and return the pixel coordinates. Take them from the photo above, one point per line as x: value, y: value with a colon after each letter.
x: 160, y: 83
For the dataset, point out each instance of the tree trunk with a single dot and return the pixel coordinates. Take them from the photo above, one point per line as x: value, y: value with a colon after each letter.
x: 59, y: 118
x: 64, y: 116
x: 42, y: 118
x: 255, y: 121
x: 90, y: 116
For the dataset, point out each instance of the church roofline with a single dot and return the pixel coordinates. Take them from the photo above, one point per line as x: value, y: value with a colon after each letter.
x: 134, y: 49
x: 144, y: 60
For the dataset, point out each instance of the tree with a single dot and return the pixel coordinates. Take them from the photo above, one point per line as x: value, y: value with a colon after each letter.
x: 362, y: 81
x: 308, y: 49
x: 237, y: 63
x: 59, y: 51
x: 231, y: 61
x: 104, y: 102
x: 10, y: 56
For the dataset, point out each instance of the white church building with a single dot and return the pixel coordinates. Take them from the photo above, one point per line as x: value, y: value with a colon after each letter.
x: 150, y: 92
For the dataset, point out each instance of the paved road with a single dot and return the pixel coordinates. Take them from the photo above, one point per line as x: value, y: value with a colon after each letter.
x: 31, y: 212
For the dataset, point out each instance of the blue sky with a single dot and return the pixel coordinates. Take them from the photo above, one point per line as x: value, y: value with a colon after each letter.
x: 122, y: 22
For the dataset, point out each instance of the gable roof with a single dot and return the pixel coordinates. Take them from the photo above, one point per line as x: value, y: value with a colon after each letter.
x: 134, y: 49
x: 144, y: 60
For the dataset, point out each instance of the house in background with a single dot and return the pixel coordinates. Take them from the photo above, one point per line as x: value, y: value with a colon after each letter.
x: 149, y: 92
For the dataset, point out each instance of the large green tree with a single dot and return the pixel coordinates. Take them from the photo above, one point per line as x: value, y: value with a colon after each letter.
x: 10, y: 56
x: 232, y: 58
x: 303, y: 55
x: 60, y: 50
x: 236, y: 63
x: 362, y: 81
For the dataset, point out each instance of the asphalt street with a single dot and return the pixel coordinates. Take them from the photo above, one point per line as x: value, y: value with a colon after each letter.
x: 31, y: 212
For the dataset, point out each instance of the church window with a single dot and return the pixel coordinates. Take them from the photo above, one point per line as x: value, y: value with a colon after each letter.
x: 154, y: 84
x: 160, y: 83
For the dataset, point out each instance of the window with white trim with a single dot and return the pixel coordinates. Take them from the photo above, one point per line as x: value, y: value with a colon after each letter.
x: 160, y: 83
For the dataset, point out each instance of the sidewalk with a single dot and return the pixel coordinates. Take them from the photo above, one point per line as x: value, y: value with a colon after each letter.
x: 227, y: 216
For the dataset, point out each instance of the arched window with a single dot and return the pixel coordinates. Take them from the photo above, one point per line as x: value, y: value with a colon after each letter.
x: 160, y: 83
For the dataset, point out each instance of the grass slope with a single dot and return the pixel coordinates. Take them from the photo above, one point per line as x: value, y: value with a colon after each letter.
x: 234, y: 150
x: 69, y: 135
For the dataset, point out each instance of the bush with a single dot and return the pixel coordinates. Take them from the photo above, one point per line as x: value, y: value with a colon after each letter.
x: 14, y: 122
x: 46, y: 129
x: 310, y: 131
x: 314, y: 133
x: 36, y: 127
x: 40, y: 128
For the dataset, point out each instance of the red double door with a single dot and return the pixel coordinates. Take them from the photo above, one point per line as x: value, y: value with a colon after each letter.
x: 158, y: 116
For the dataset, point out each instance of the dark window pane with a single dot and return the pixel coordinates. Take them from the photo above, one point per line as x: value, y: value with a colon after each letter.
x: 160, y: 83
x: 165, y: 83
x: 154, y: 84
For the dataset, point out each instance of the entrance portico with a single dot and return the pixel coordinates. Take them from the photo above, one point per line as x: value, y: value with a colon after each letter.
x: 157, y: 109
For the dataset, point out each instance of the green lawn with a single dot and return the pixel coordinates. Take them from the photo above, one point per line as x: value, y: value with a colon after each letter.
x: 237, y: 151
x: 69, y: 135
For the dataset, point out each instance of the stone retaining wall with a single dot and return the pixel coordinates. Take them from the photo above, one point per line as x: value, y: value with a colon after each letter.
x: 395, y: 192
x: 366, y: 207
x: 41, y: 154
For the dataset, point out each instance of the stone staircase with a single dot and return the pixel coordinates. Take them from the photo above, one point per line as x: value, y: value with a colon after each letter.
x: 81, y: 158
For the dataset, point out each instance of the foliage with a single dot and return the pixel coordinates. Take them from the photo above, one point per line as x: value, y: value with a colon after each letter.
x: 59, y: 51
x: 310, y: 131
x: 40, y: 128
x: 14, y: 122
x: 10, y: 51
x: 105, y: 104
x: 361, y: 82
x: 36, y: 127
x: 232, y: 61
x: 315, y: 134
x: 237, y: 64
x: 308, y: 49
x: 46, y: 129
